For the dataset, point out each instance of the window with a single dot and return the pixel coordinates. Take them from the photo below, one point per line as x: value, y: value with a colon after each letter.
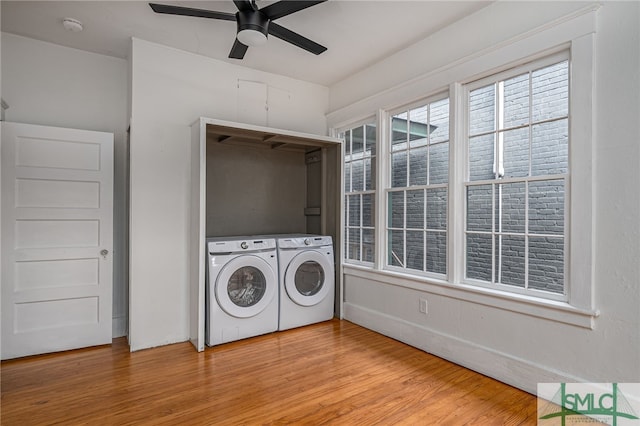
x: 519, y: 201
x: 517, y: 179
x: 514, y: 178
x: 417, y: 196
x: 360, y: 177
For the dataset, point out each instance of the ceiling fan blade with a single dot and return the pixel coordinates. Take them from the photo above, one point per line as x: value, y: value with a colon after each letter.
x: 296, y: 39
x: 188, y: 11
x: 245, y: 5
x: 287, y: 7
x: 238, y: 50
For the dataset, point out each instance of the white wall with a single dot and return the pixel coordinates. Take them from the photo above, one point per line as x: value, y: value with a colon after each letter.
x: 47, y: 84
x: 170, y: 90
x: 518, y: 348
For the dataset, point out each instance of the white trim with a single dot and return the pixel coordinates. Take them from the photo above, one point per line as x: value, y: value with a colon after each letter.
x: 581, y: 132
x: 457, y: 192
x: 524, y: 304
x: 242, y: 127
x: 535, y: 42
x: 381, y: 183
x: 514, y: 371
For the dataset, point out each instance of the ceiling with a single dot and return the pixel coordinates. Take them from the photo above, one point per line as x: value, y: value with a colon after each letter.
x: 357, y: 33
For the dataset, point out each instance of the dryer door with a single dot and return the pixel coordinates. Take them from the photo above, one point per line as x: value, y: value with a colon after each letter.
x: 245, y: 286
x: 309, y: 278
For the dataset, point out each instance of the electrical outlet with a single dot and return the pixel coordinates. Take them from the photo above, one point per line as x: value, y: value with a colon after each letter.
x: 423, y: 306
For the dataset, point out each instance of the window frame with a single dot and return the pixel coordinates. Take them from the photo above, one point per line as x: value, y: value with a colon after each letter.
x: 387, y: 189
x: 524, y: 67
x: 372, y: 120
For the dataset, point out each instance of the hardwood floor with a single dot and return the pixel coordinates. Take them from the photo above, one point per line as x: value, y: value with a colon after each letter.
x: 329, y: 373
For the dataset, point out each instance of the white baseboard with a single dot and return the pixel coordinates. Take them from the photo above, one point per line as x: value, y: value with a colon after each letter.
x: 516, y: 372
x: 119, y: 326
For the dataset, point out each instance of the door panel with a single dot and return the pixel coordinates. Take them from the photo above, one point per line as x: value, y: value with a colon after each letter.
x: 57, y: 239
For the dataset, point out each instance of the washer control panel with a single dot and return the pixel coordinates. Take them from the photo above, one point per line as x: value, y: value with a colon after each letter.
x: 240, y: 245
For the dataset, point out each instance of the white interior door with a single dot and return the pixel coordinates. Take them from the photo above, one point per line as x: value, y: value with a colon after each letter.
x: 57, y: 239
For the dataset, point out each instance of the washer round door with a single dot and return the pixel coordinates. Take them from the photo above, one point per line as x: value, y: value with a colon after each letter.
x: 309, y: 278
x: 245, y: 286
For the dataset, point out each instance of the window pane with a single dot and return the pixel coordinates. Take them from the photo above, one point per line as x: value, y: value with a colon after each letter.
x: 479, y: 250
x: 546, y: 207
x: 357, y: 175
x: 399, y: 169
x: 437, y: 252
x: 396, y: 209
x: 415, y: 209
x: 354, y: 210
x: 550, y: 92
x: 418, y: 166
x: 479, y: 207
x: 368, y: 245
x: 368, y: 209
x: 439, y: 163
x: 546, y: 264
x: 549, y: 148
x: 437, y: 208
x: 399, y: 131
x: 511, y: 254
x: 516, y: 101
x: 353, y: 251
x: 415, y: 250
x: 396, y: 248
x: 371, y: 139
x: 481, y: 152
x: 346, y: 243
x: 510, y: 207
x: 347, y: 145
x: 482, y: 110
x: 369, y: 173
x: 418, y: 127
x: 347, y: 177
x: 516, y: 152
x: 439, y: 121
x: 357, y: 140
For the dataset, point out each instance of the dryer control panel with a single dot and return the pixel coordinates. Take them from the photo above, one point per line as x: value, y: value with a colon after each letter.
x: 303, y: 241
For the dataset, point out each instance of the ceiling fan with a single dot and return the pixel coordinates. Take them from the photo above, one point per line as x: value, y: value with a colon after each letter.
x: 253, y: 24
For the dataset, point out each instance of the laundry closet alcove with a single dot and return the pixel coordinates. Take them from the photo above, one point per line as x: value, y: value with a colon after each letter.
x: 250, y: 180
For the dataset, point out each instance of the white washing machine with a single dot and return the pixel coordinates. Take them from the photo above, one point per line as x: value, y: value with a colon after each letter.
x: 307, y: 279
x: 242, y: 288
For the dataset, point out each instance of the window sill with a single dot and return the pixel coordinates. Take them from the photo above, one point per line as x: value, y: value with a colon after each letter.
x: 522, y: 304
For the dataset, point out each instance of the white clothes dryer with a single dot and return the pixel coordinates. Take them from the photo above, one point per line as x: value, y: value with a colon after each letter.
x: 242, y: 288
x: 307, y: 279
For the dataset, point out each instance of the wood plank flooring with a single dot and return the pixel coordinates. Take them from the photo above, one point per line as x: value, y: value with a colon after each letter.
x: 329, y: 373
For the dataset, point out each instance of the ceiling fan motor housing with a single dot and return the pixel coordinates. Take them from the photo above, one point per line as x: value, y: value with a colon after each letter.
x: 253, y: 20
